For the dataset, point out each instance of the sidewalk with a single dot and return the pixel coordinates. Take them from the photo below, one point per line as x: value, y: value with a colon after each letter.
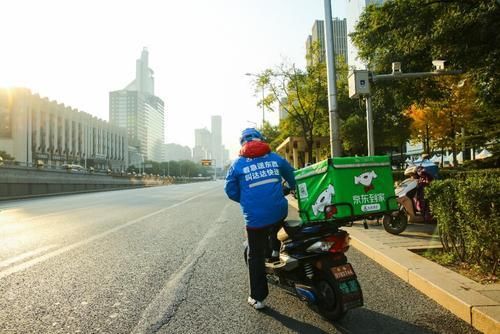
x: 477, y: 304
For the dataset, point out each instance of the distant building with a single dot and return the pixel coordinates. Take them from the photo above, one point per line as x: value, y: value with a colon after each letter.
x: 208, y: 144
x: 354, y: 10
x: 138, y: 110
x: 202, y: 144
x: 216, y: 133
x: 176, y: 152
x: 283, y: 112
x: 33, y: 128
x: 225, y: 157
x: 339, y: 39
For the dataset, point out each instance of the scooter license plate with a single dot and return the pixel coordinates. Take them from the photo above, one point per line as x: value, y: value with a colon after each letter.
x: 343, y: 272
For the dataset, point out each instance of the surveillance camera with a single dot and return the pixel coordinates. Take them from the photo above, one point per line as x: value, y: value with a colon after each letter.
x: 396, y: 67
x: 438, y: 65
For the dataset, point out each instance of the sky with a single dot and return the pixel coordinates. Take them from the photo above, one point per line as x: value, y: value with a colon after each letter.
x: 76, y: 52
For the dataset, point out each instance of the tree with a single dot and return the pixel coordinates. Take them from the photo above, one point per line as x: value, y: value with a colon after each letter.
x: 272, y: 134
x: 424, y: 123
x: 302, y: 93
x: 438, y: 122
x: 6, y: 156
x: 354, y: 135
x: 455, y: 112
x: 464, y: 32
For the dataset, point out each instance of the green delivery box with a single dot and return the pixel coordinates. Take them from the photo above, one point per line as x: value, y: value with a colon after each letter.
x: 356, y: 186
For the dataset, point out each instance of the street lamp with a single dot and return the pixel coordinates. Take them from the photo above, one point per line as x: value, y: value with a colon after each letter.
x: 263, y: 96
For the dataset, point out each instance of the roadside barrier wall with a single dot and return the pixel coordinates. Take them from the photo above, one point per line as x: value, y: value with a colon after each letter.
x: 16, y: 182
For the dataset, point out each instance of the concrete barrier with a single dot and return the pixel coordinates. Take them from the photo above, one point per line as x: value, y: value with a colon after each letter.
x: 20, y: 182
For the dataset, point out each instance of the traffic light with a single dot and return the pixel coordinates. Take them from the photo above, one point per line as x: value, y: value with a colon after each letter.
x: 206, y: 162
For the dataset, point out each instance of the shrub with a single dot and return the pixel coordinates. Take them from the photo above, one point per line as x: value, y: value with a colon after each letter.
x: 466, y: 208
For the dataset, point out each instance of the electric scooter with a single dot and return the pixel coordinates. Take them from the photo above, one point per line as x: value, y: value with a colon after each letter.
x: 408, y: 212
x: 313, y: 266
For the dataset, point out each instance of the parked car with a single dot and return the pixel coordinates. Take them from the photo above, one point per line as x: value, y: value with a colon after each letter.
x: 73, y: 168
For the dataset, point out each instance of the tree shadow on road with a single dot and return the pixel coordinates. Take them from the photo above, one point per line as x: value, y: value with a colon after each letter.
x: 366, y: 321
x: 293, y: 324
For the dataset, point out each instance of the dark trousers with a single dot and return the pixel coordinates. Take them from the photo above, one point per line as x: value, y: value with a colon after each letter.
x: 260, y: 244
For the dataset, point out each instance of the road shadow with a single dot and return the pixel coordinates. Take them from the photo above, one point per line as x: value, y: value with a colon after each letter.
x: 292, y: 324
x: 365, y: 321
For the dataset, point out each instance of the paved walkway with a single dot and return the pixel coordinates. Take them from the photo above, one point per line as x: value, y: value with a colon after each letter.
x: 475, y: 303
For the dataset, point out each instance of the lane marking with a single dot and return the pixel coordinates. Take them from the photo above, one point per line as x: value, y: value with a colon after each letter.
x: 163, y: 307
x: 30, y: 263
x: 8, y: 262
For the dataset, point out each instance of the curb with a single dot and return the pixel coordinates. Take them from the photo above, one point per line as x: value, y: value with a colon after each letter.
x: 453, y: 291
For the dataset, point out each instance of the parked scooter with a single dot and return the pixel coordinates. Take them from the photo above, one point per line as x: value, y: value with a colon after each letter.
x: 313, y: 266
x: 409, y: 211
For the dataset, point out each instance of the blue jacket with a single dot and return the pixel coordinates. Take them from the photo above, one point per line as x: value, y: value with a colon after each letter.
x: 255, y: 183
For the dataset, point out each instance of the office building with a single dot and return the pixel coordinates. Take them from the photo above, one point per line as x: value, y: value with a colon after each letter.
x: 35, y: 129
x: 354, y: 10
x: 318, y: 36
x: 138, y: 110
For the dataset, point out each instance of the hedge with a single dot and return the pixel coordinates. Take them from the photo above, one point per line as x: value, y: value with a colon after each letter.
x: 466, y: 208
x: 449, y: 173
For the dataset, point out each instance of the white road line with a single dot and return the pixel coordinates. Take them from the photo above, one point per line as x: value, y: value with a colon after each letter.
x: 8, y: 262
x: 30, y: 263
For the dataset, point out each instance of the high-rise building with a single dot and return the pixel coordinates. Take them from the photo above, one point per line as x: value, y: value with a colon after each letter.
x: 318, y: 36
x: 138, y: 110
x: 216, y: 132
x: 354, y: 10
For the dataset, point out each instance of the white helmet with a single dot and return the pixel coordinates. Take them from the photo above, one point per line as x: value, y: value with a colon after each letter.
x: 411, y: 170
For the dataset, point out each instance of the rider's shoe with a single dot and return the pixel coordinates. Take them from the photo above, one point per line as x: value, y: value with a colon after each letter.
x: 256, y: 304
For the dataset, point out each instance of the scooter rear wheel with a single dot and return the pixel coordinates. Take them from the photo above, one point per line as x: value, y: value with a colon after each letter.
x: 330, y: 305
x: 396, y: 222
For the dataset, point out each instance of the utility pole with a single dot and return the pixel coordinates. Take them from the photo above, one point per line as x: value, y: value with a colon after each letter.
x: 332, y: 83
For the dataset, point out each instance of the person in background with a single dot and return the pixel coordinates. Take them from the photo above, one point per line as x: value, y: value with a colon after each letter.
x: 254, y: 181
x: 423, y: 180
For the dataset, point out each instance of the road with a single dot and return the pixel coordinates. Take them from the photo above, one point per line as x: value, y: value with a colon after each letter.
x: 167, y: 260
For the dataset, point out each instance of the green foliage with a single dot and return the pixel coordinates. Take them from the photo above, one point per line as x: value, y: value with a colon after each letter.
x: 305, y: 97
x: 414, y: 32
x: 302, y: 93
x: 468, y: 219
x: 446, y: 173
x: 5, y: 156
x: 491, y: 162
x: 184, y: 168
x: 354, y: 135
x: 274, y: 134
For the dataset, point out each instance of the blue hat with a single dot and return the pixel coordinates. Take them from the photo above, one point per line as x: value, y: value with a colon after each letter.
x: 249, y: 135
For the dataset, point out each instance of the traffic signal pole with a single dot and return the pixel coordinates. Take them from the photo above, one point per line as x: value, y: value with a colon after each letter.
x: 335, y: 148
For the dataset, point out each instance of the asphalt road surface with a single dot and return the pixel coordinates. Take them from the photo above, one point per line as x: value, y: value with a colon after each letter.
x: 168, y: 260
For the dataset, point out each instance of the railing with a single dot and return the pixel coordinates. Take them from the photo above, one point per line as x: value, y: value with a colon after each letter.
x: 22, y: 165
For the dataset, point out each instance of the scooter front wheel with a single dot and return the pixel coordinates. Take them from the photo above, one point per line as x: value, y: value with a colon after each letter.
x: 396, y: 222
